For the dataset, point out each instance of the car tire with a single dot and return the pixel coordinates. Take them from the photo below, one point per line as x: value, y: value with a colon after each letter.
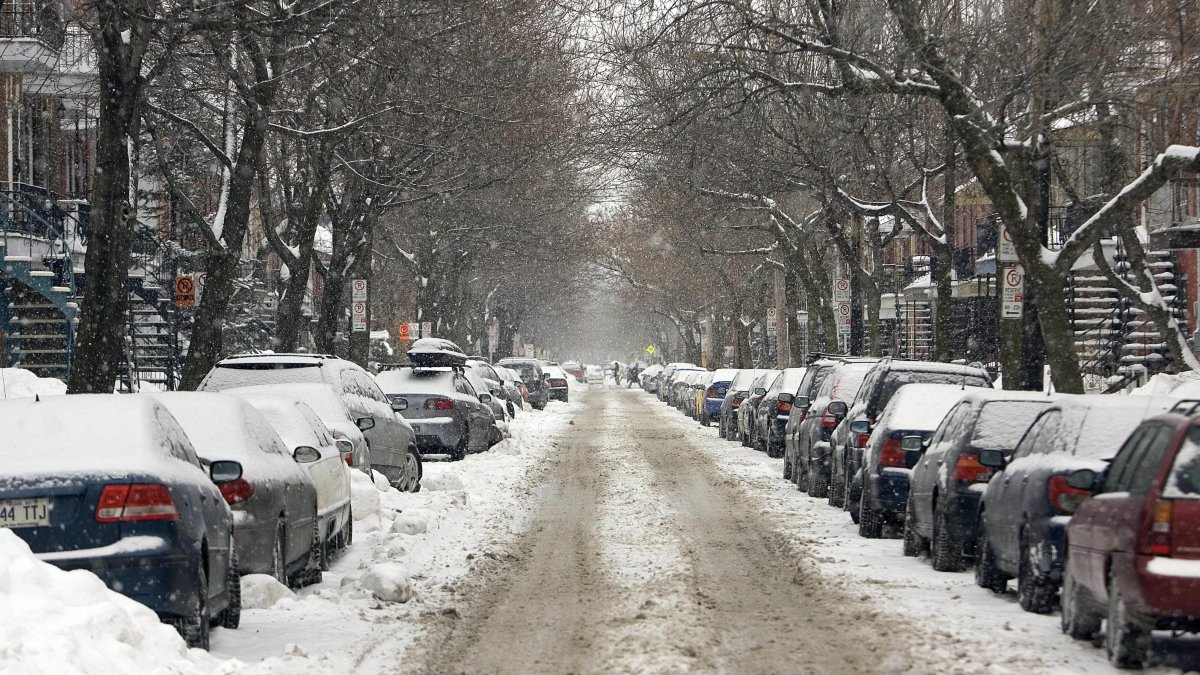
x: 279, y: 553
x: 774, y: 451
x: 348, y: 530
x: 1126, y: 637
x: 913, y: 544
x: 195, y: 628
x: 411, y: 477
x: 231, y: 616
x: 987, y: 575
x: 512, y: 410
x: 721, y: 426
x: 854, y: 497
x: 1035, y: 593
x: 947, y: 548
x: 787, y: 469
x: 800, y: 475
x: 870, y: 521
x: 459, y: 452
x: 836, y: 494
x: 1079, y: 620
x: 818, y: 485
x: 313, y: 571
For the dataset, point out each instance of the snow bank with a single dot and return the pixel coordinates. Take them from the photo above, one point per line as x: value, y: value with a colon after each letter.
x: 1178, y: 385
x: 260, y: 591
x: 20, y: 383
x: 388, y: 582
x: 70, y: 622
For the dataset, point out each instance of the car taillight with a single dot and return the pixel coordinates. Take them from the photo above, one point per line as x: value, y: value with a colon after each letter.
x: 438, y: 404
x: 892, y: 454
x: 1159, y: 540
x: 1064, y: 498
x: 236, y: 491
x: 969, y: 469
x: 828, y: 420
x: 139, y: 501
x: 711, y: 393
x: 738, y: 401
x: 861, y: 440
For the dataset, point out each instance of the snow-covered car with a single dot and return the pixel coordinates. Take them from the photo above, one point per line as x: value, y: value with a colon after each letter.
x: 391, y: 439
x: 343, y: 425
x: 299, y: 426
x: 274, y: 502
x: 556, y: 378
x: 112, y: 485
x: 648, y: 378
x: 447, y: 413
x: 594, y: 375
x: 530, y: 371
x: 574, y: 369
x: 504, y: 398
x: 512, y: 379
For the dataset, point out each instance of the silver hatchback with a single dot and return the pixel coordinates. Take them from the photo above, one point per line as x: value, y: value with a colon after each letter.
x: 447, y: 414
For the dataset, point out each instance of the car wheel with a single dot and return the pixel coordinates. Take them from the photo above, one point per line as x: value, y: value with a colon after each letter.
x: 410, y: 477
x: 787, y: 469
x: 231, y: 616
x: 704, y: 421
x: 195, y: 628
x: 1035, y: 593
x: 313, y: 569
x: 512, y: 411
x: 912, y: 541
x: 279, y: 553
x: 773, y: 449
x: 1079, y: 620
x: 870, y: 521
x: 987, y: 575
x: 348, y: 529
x: 818, y: 484
x: 836, y: 494
x: 854, y: 495
x: 459, y: 452
x: 799, y: 475
x: 721, y: 426
x: 1126, y: 637
x: 947, y: 548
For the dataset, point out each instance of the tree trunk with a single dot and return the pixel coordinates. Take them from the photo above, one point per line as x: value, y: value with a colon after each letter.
x: 100, y: 341
x: 1056, y: 331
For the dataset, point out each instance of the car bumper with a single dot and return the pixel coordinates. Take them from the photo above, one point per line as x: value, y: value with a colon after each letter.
x: 1168, y: 589
x: 888, y: 490
x: 964, y: 517
x: 154, y: 574
x: 558, y: 394
x: 437, y: 433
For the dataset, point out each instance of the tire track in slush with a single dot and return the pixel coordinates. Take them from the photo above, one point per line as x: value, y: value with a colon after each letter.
x: 644, y: 558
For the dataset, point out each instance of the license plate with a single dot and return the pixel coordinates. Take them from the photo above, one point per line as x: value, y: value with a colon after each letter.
x: 25, y: 512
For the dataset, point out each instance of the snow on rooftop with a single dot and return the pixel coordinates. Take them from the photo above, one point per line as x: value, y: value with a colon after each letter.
x: 919, y: 407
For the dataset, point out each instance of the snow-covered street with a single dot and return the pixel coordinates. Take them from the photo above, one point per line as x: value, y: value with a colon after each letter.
x: 610, y: 534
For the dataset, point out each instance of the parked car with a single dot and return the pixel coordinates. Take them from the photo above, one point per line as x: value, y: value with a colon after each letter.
x: 814, y: 377
x: 446, y: 412
x: 700, y: 385
x: 504, y: 398
x: 594, y: 375
x: 667, y: 377
x: 512, y: 381
x: 274, y: 502
x: 885, y: 379
x: 771, y: 414
x: 1133, y: 549
x: 679, y: 384
x: 485, y: 385
x: 299, y: 426
x: 557, y: 381
x: 574, y: 369
x: 389, y: 436
x: 714, y: 395
x: 530, y: 371
x: 914, y: 410
x: 822, y: 415
x: 112, y: 485
x: 1027, y: 504
x: 747, y: 409
x: 947, y: 482
x: 648, y: 378
x: 735, y: 393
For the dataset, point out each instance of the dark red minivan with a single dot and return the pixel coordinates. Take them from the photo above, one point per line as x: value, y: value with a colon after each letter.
x: 1133, y: 549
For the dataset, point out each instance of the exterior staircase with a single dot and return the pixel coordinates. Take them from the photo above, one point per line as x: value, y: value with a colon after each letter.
x: 151, y: 341
x: 38, y: 313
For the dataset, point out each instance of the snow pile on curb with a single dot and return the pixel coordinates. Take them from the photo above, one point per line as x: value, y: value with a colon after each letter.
x: 58, y: 622
x: 1165, y: 384
x: 388, y: 582
x: 260, y: 591
x: 20, y: 383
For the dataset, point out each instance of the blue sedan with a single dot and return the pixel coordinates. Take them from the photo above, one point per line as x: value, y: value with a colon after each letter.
x: 111, y: 484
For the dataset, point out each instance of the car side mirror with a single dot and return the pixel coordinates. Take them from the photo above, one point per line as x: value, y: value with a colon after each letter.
x: 344, y: 445
x: 545, y: 376
x: 1083, y: 479
x: 912, y: 444
x: 225, y: 471
x: 861, y: 427
x: 837, y: 408
x: 365, y: 423
x: 306, y: 454
x: 759, y: 391
x: 992, y: 459
x: 485, y: 398
x: 399, y: 404
x: 801, y: 402
x: 786, y: 398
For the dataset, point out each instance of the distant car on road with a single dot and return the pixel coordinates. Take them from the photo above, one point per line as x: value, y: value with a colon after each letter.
x: 594, y: 375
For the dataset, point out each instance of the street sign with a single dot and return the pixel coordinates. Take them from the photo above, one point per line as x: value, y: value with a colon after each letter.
x: 772, y: 320
x: 843, y: 317
x: 414, y: 330
x: 185, y: 291
x: 1005, y: 250
x: 650, y: 350
x: 841, y: 290
x: 528, y: 351
x: 1012, y: 297
x: 358, y: 317
x: 402, y: 332
x: 358, y: 290
x: 426, y: 329
x: 493, y: 334
x: 201, y: 280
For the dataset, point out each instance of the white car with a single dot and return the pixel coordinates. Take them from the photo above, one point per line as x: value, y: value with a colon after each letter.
x: 299, y: 426
x: 595, y: 375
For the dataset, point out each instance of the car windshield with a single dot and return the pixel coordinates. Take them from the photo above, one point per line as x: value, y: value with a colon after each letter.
x: 1184, y: 480
x: 1002, y: 423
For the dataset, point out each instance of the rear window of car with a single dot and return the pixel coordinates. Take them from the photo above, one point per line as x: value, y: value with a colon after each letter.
x: 1184, y: 480
x: 527, y: 371
x: 416, y: 381
x: 1002, y: 423
x: 847, y: 380
x: 898, y: 378
x: 1103, y: 430
x: 228, y: 376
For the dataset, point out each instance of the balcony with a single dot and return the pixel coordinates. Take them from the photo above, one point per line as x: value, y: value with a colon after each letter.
x: 31, y: 35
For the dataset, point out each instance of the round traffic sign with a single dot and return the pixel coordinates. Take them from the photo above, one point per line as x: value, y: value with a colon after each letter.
x: 1013, y: 277
x: 360, y: 284
x: 844, y: 309
x: 184, y: 286
x: 360, y: 308
x: 842, y: 285
x: 771, y: 311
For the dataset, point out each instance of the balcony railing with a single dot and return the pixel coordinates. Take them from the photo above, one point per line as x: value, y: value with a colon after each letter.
x: 33, y: 19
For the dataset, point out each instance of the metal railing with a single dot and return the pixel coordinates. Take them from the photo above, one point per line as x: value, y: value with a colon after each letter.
x: 33, y: 19
x: 41, y: 227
